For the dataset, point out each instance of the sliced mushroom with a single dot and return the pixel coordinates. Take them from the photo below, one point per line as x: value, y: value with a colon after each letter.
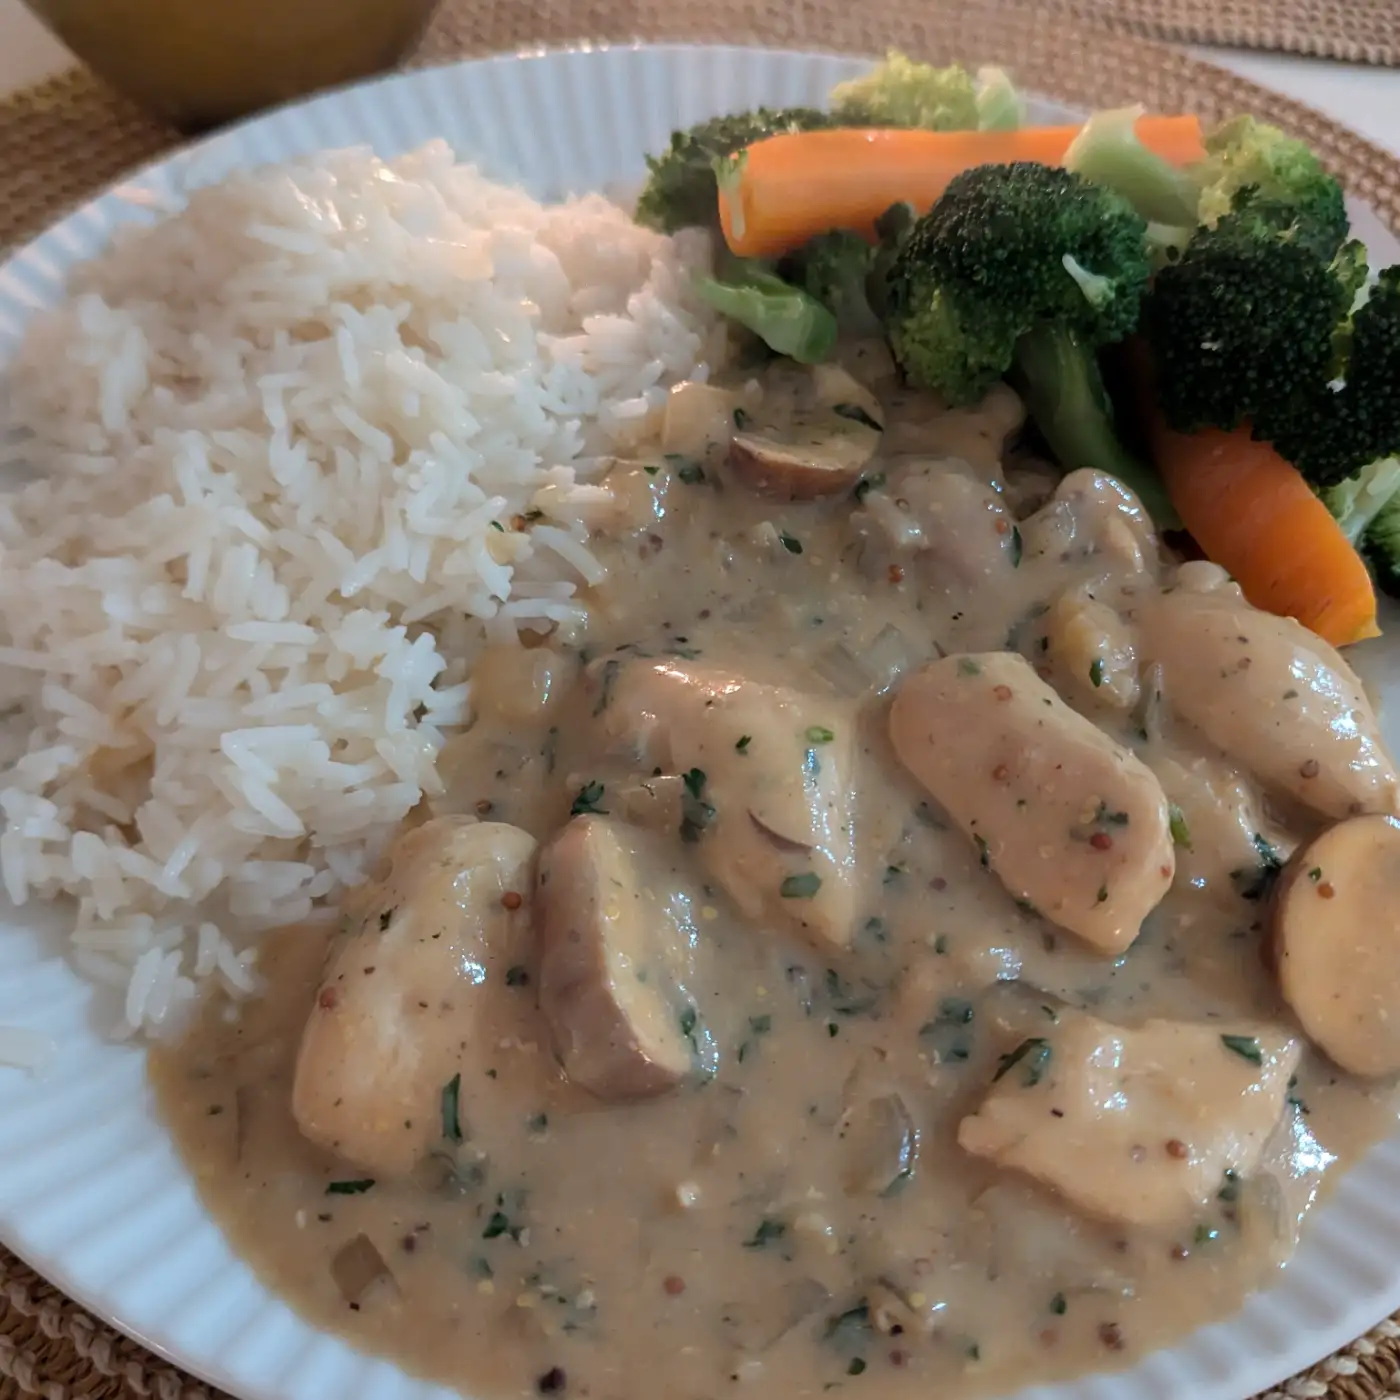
x: 1335, y: 942
x: 612, y: 963
x: 813, y: 434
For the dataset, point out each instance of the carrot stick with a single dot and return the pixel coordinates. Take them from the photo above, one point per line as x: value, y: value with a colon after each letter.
x: 1254, y: 515
x: 790, y: 188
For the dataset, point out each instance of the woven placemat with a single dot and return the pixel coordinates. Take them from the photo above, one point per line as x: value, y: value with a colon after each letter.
x: 61, y: 142
x: 1355, y: 31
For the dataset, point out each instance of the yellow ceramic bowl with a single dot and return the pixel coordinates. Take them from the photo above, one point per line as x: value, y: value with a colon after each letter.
x: 199, y: 63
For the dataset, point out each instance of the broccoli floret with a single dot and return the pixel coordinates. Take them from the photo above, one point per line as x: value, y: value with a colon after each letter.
x: 999, y: 106
x: 1107, y: 151
x: 1008, y: 247
x: 834, y: 268
x: 902, y: 92
x: 681, y: 190
x: 1248, y: 154
x: 1380, y: 546
x: 783, y: 316
x: 1246, y: 316
x: 1025, y: 269
x: 1358, y: 502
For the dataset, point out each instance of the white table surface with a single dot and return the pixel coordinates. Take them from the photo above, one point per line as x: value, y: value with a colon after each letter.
x: 1366, y: 99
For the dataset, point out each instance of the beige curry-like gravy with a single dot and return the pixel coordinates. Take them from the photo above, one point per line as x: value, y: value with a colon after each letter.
x: 840, y: 970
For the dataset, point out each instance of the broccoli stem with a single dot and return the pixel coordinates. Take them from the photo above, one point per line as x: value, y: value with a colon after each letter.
x: 1058, y: 377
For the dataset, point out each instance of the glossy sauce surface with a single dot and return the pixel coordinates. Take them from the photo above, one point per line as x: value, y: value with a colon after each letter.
x: 876, y: 1086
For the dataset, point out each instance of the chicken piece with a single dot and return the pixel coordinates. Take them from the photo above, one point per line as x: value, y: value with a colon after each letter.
x: 1334, y: 940
x: 772, y: 812
x: 1275, y: 697
x: 812, y: 435
x: 616, y: 960
x: 1091, y: 653
x: 1093, y: 516
x: 1135, y: 1126
x: 1219, y: 823
x: 417, y: 986
x: 1070, y: 821
x: 939, y: 513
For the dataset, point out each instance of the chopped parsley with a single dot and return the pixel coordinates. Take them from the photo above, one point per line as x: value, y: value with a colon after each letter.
x: 692, y: 473
x: 819, y: 734
x: 769, y: 1231
x: 349, y: 1188
x: 790, y: 542
x: 1096, y: 672
x: 856, y: 414
x: 589, y: 796
x: 451, y: 1113
x: 1058, y: 1305
x: 1181, y: 833
x: 696, y: 813
x: 1230, y: 1186
x: 856, y: 1367
x: 1035, y: 1052
x: 1017, y: 548
x: 605, y: 689
x: 984, y: 854
x: 743, y: 745
x: 741, y: 419
x: 1245, y: 1046
x: 968, y: 666
x: 802, y: 886
x: 517, y: 976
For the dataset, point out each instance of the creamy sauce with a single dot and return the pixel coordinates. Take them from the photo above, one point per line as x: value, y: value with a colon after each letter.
x: 811, y: 1167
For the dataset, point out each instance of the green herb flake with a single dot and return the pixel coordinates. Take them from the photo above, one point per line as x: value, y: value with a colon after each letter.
x: 517, y: 976
x: 790, y: 542
x: 832, y: 1030
x: 451, y: 1113
x: 696, y: 813
x: 819, y: 734
x: 743, y: 745
x: 1206, y: 1234
x: 1102, y: 896
x: 481, y: 1267
x: 769, y: 1231
x: 1096, y: 672
x: 692, y: 474
x: 589, y: 796
x: 1017, y: 548
x: 856, y: 414
x: 1315, y: 874
x: 802, y: 886
x: 496, y: 525
x: 497, y: 1225
x: 856, y: 1367
x: 689, y: 1019
x: 760, y: 1025
x: 1035, y: 1052
x: 1245, y: 1046
x: 1181, y: 833
x: 984, y: 854
x: 537, y: 1124
x: 968, y: 667
x: 349, y: 1188
x: 940, y: 945
x: 1230, y: 1186
x: 1058, y: 1305
x: 651, y: 469
x: 741, y: 419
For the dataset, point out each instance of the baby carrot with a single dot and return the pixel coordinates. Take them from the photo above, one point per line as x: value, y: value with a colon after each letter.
x: 1254, y: 515
x: 789, y: 188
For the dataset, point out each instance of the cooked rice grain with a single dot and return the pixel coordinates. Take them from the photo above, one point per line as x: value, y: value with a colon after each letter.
x: 272, y: 438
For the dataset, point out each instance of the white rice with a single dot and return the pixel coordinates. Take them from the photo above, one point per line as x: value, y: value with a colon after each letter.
x: 278, y: 442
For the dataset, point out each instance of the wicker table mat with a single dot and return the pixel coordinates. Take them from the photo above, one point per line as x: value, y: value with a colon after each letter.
x: 68, y: 138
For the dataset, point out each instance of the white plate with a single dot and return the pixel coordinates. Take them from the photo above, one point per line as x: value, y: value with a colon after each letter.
x: 92, y: 1193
